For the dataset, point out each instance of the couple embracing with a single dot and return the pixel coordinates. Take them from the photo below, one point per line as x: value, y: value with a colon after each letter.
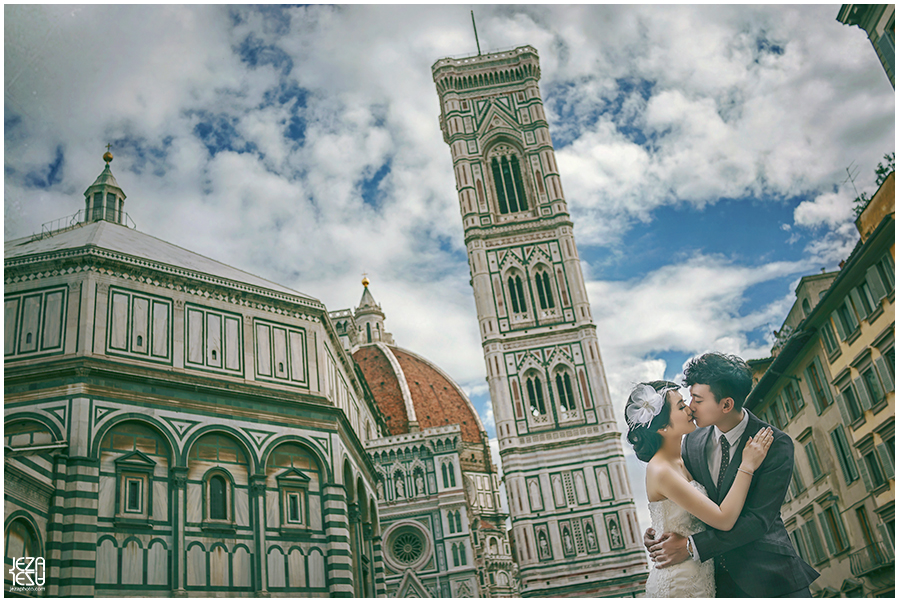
x: 729, y: 471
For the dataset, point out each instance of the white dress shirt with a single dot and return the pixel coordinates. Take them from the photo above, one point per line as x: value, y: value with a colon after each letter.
x: 714, y: 457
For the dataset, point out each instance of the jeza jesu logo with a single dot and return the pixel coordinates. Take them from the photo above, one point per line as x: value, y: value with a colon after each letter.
x: 27, y: 571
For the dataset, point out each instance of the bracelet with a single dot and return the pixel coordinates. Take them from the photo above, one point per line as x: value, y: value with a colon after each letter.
x: 750, y: 473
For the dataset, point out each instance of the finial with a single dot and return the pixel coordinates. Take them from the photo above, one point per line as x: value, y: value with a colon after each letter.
x: 107, y: 156
x: 365, y: 281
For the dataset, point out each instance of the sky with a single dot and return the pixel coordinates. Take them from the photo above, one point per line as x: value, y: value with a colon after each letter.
x: 703, y: 151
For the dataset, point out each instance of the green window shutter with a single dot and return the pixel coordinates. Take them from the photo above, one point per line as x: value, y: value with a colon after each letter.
x: 887, y: 536
x: 887, y: 460
x: 862, y: 394
x: 867, y: 479
x: 840, y: 325
x: 875, y: 284
x: 788, y: 409
x: 826, y: 387
x: 829, y: 537
x: 844, y: 408
x: 841, y: 452
x: 811, y: 382
x: 886, y: 372
x: 848, y: 302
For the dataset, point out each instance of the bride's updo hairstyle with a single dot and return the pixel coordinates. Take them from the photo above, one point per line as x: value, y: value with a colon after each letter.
x: 641, y: 435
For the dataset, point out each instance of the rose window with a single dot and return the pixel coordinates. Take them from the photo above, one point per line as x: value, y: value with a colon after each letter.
x: 407, y: 547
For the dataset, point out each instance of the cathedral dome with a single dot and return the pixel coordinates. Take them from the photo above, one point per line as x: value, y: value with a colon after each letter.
x: 414, y: 394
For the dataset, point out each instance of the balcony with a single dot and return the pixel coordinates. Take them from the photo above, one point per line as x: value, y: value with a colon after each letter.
x: 871, y: 559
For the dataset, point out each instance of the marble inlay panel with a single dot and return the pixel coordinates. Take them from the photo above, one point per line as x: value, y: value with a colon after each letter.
x: 240, y: 567
x: 194, y: 511
x: 275, y: 568
x: 315, y: 512
x: 241, y: 507
x: 106, y: 503
x: 160, y: 330
x: 119, y: 321
x: 316, y: 569
x: 196, y: 566
x: 296, y: 569
x: 272, y: 519
x: 218, y: 566
x: 107, y: 563
x: 52, y: 320
x: 160, y: 500
x: 133, y: 563
x: 157, y: 564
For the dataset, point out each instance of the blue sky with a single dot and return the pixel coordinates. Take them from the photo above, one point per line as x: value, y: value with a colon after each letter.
x: 702, y: 151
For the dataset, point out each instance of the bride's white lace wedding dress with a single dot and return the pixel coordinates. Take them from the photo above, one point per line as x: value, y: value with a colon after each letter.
x: 687, y: 579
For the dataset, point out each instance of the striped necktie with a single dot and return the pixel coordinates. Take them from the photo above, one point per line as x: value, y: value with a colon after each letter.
x: 723, y: 467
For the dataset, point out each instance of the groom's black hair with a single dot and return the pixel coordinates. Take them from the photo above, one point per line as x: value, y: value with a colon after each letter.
x: 727, y: 376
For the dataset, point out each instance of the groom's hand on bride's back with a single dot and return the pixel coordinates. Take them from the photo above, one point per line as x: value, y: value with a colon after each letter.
x: 666, y: 550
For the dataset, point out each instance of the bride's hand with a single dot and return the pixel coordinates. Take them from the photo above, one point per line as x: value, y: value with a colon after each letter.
x: 756, y: 448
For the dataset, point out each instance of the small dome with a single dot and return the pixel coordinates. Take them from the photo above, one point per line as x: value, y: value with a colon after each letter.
x: 426, y: 395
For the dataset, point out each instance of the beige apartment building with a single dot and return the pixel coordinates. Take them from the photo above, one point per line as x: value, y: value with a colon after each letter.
x: 830, y: 385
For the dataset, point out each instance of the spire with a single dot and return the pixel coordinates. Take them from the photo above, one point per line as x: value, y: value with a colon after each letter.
x: 370, y: 319
x: 105, y: 199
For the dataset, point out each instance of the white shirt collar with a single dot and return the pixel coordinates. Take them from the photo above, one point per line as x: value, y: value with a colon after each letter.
x: 734, y: 435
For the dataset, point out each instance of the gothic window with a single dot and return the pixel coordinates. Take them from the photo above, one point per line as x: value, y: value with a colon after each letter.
x: 21, y: 540
x: 535, y: 395
x: 544, y: 291
x: 455, y: 551
x: 508, y: 181
x: 516, y: 293
x: 368, y: 333
x: 449, y: 475
x: 564, y: 391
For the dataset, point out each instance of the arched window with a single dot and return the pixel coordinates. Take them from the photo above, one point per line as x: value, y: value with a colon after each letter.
x: 564, y: 389
x: 516, y: 293
x: 449, y: 475
x: 508, y: 181
x: 368, y: 333
x: 21, y: 540
x: 462, y: 553
x: 535, y: 395
x: 218, y: 498
x: 455, y: 551
x: 544, y: 291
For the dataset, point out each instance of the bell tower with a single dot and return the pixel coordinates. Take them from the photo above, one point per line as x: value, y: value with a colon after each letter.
x: 570, y: 501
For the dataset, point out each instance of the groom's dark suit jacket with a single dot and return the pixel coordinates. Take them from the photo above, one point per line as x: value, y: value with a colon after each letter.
x: 756, y: 553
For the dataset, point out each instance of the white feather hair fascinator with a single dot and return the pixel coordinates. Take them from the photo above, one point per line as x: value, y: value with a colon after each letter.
x: 646, y: 403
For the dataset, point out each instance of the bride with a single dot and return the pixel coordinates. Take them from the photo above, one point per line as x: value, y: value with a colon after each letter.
x: 658, y: 417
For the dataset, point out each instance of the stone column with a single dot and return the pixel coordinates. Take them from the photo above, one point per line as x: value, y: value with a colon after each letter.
x: 177, y: 492
x: 337, y: 531
x: 356, y: 549
x: 78, y: 542
x: 258, y: 520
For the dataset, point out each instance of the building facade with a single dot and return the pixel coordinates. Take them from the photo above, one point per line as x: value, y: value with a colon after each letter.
x: 437, y: 488
x: 174, y: 426
x: 877, y: 20
x: 830, y: 386
x: 573, y: 516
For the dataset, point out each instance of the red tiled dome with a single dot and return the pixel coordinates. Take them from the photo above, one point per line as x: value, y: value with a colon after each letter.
x: 434, y: 398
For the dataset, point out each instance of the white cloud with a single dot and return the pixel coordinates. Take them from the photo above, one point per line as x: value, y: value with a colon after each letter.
x: 654, y: 106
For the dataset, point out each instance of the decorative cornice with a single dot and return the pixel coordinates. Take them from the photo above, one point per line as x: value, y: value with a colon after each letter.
x: 217, y: 288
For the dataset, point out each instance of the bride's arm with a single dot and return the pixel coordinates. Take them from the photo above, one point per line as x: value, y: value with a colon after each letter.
x: 673, y: 486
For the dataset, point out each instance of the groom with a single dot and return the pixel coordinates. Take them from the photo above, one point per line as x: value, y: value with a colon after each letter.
x: 756, y: 557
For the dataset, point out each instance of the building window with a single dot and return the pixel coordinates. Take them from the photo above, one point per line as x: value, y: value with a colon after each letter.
x: 813, y: 542
x: 516, y: 294
x: 885, y: 270
x: 777, y: 411
x: 218, y: 498
x: 545, y: 292
x: 800, y: 544
x: 535, y: 396
x: 845, y: 457
x: 833, y: 528
x: 813, y: 456
x: 508, y: 182
x: 872, y: 470
x: 845, y: 320
x: 448, y: 474
x: 294, y: 506
x: 851, y: 404
x: 796, y: 482
x: 818, y: 386
x: 831, y: 345
x: 872, y: 385
x: 864, y: 295
x: 564, y: 390
x: 133, y: 498
x: 793, y: 401
x: 21, y: 540
x: 406, y: 546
